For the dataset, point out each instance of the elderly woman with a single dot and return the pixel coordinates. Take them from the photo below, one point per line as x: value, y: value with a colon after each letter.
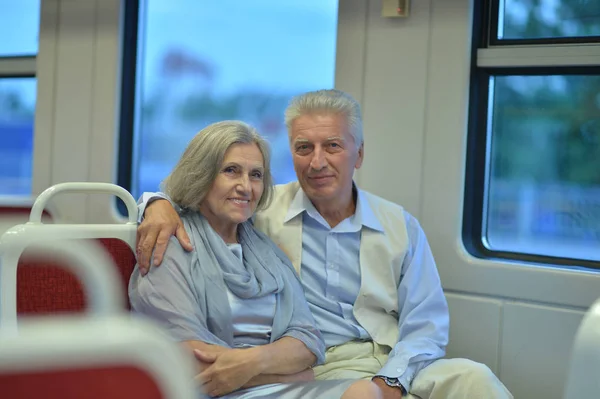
x: 235, y: 299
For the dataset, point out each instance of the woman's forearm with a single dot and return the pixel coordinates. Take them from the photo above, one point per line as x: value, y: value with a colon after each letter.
x: 285, y: 356
x: 264, y: 379
x: 203, y: 346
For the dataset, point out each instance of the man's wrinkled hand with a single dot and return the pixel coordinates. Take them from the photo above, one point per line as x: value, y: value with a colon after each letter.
x: 161, y: 221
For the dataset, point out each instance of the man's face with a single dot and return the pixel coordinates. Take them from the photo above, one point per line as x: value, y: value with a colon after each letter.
x: 325, y: 156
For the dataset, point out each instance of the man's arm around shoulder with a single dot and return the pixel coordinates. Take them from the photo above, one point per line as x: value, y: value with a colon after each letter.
x: 159, y: 221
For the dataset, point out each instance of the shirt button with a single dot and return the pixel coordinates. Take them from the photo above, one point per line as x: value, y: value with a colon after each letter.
x: 399, y: 370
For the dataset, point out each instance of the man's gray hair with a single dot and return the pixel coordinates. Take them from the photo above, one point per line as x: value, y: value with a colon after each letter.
x: 328, y: 102
x: 193, y: 176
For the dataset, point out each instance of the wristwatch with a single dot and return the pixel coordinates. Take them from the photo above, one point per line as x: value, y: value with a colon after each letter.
x: 392, y: 382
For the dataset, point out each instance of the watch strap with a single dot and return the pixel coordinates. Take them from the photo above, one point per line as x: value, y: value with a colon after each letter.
x: 392, y: 382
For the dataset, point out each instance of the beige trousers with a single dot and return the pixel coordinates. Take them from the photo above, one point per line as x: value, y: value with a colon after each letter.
x: 443, y: 379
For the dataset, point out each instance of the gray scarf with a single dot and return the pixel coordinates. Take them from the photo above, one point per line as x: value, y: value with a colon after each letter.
x: 265, y: 270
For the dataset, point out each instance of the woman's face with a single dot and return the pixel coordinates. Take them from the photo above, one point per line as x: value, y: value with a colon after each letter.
x: 236, y: 190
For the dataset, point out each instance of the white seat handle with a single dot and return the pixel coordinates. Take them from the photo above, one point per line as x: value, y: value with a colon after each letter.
x: 83, y: 188
x: 87, y: 261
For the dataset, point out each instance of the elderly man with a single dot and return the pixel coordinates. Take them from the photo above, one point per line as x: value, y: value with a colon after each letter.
x: 365, y: 264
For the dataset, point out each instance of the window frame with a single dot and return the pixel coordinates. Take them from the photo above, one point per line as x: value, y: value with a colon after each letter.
x: 17, y: 66
x: 494, y: 17
x: 127, y: 122
x: 478, y: 138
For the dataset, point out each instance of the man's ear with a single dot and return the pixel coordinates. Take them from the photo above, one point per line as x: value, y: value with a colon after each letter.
x: 361, y: 153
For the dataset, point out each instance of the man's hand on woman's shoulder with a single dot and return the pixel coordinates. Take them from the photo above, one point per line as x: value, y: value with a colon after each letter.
x: 160, y: 222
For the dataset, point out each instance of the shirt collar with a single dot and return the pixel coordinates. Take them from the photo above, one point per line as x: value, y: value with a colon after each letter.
x: 364, y: 212
x: 299, y: 204
x: 363, y: 215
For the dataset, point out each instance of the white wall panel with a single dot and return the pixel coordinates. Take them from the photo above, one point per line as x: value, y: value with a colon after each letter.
x: 350, y: 48
x: 395, y: 77
x: 77, y: 106
x: 474, y: 329
x: 105, y: 111
x: 71, y: 105
x: 46, y: 96
x: 536, y: 345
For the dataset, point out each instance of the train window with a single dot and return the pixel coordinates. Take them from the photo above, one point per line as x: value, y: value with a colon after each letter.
x: 17, y: 106
x: 532, y: 189
x: 199, y: 62
x: 526, y: 20
x: 19, y: 23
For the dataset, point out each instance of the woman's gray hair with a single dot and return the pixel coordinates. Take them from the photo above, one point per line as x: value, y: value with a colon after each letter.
x: 328, y: 102
x: 193, y: 176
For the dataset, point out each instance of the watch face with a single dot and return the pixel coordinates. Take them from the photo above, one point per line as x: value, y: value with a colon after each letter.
x: 395, y: 382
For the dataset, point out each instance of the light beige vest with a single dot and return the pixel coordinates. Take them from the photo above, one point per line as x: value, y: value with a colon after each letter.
x: 381, y: 258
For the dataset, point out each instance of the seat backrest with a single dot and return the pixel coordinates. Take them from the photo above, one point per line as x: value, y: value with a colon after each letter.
x: 105, y: 353
x: 21, y: 211
x: 86, y: 260
x: 101, y: 357
x: 583, y: 379
x: 47, y: 288
x: 14, y: 214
